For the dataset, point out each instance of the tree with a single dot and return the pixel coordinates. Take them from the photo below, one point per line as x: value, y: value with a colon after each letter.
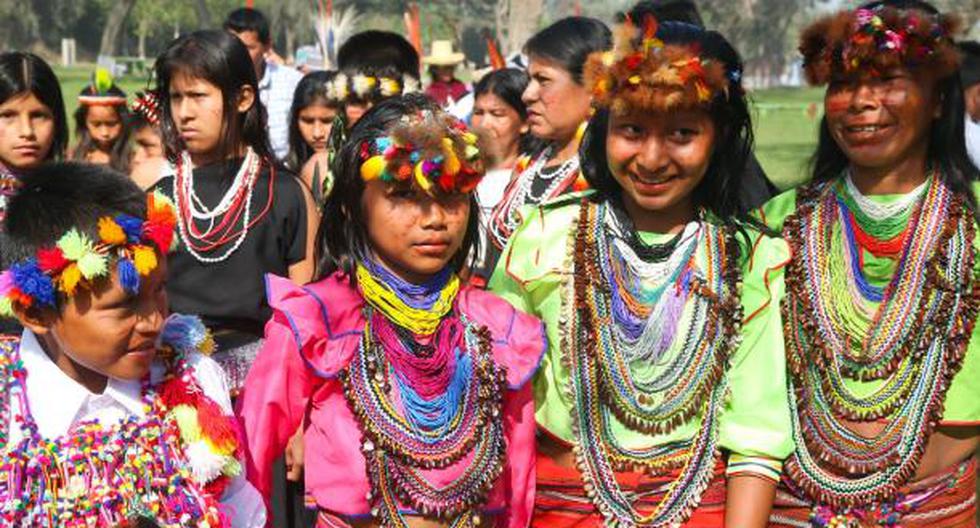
x: 113, y: 27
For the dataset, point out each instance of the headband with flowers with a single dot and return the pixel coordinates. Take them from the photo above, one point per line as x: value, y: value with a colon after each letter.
x: 369, y: 87
x: 147, y: 104
x: 873, y: 40
x: 77, y: 261
x: 641, y: 72
x: 431, y: 149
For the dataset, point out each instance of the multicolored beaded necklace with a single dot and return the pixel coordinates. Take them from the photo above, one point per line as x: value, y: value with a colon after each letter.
x: 169, y: 466
x: 425, y: 401
x: 910, y: 335
x: 9, y: 182
x: 625, y: 365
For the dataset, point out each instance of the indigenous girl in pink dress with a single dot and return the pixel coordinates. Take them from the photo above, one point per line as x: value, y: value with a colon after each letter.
x: 413, y: 388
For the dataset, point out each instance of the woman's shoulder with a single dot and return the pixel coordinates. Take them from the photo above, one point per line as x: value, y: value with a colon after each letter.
x: 775, y: 211
x: 540, y: 244
x: 327, y: 308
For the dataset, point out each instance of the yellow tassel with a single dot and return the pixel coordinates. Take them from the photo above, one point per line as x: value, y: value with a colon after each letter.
x: 421, y: 179
x: 186, y: 418
x: 145, y: 260
x: 110, y: 232
x: 452, y: 165
x: 373, y: 168
x: 70, y: 279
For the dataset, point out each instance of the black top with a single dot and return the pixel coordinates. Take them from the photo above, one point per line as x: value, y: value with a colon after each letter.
x: 230, y: 295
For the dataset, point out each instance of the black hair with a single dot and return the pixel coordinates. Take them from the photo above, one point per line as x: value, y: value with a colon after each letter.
x: 22, y: 72
x: 57, y: 197
x: 342, y: 240
x: 666, y: 11
x: 222, y: 60
x: 312, y: 89
x: 970, y: 68
x: 947, y: 142
x: 378, y: 53
x: 718, y: 192
x: 248, y: 19
x: 508, y: 84
x: 120, y: 152
x: 568, y: 42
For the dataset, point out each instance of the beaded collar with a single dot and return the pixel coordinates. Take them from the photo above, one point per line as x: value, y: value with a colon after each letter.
x: 625, y: 366
x: 170, y: 466
x: 909, y: 336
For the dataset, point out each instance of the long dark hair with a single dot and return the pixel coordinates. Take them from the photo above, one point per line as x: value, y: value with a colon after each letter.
x: 219, y: 58
x: 342, y: 240
x: 120, y: 152
x: 947, y: 144
x: 21, y: 73
x: 508, y: 84
x: 718, y: 192
x: 569, y: 41
x: 312, y: 89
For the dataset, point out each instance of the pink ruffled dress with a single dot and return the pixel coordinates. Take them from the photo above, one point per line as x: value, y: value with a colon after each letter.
x: 314, y: 333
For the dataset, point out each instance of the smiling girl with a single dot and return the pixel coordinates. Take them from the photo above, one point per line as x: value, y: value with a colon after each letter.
x: 881, y: 292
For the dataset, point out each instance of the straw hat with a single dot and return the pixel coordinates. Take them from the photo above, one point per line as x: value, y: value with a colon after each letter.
x: 443, y: 54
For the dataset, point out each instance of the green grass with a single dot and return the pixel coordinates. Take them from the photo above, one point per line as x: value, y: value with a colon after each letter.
x: 785, y: 136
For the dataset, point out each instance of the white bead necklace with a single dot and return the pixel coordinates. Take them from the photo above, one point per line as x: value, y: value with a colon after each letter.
x: 882, y: 210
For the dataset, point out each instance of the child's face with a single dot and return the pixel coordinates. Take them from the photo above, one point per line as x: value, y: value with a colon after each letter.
x: 314, y: 123
x: 104, y: 125
x: 105, y: 332
x: 147, y: 145
x: 197, y: 107
x: 26, y: 131
x: 443, y: 73
x: 659, y: 158
x: 413, y: 234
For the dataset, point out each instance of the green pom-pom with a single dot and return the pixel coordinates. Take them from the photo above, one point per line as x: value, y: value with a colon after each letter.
x: 74, y: 245
x: 93, y: 265
x: 102, y: 81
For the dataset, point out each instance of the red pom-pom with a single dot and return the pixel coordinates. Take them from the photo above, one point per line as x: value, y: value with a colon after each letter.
x: 219, y: 429
x: 51, y: 260
x: 176, y: 391
x: 162, y: 235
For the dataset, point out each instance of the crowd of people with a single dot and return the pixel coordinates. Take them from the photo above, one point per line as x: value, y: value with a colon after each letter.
x: 254, y: 297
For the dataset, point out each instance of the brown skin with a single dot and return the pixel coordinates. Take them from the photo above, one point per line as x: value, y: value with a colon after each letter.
x: 972, y: 97
x: 257, y: 50
x: 893, y: 160
x: 104, y: 332
x: 104, y: 126
x: 443, y: 73
x: 556, y: 105
x: 353, y: 111
x: 314, y: 123
x: 26, y: 131
x: 501, y: 128
x: 147, y: 160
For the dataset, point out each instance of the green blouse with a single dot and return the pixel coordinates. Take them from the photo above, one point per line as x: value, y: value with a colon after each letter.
x: 754, y: 421
x: 962, y: 403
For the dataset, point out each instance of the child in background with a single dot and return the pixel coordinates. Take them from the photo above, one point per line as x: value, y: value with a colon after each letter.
x: 105, y: 397
x: 310, y: 120
x: 101, y: 124
x: 147, y: 162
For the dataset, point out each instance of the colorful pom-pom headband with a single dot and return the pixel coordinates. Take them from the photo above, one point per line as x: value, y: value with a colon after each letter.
x: 871, y: 41
x: 433, y: 150
x: 368, y: 87
x: 641, y: 72
x: 76, y: 261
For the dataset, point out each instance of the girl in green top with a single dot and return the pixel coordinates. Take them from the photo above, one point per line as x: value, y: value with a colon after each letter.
x: 881, y: 301
x: 665, y: 364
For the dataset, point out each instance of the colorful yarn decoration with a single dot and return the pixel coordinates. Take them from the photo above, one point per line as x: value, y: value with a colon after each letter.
x: 432, y: 150
x: 363, y: 87
x: 425, y: 401
x: 147, y: 104
x: 77, y: 261
x: 99, y: 91
x: 617, y: 377
x: 909, y: 336
x: 170, y: 466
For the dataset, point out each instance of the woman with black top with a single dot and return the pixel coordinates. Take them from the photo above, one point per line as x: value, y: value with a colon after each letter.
x: 240, y: 215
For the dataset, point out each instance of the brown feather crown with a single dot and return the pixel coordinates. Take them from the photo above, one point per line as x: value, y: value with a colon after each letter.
x: 871, y: 41
x: 643, y: 73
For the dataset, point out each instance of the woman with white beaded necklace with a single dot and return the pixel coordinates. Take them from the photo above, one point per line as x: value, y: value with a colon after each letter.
x: 239, y: 214
x: 558, y: 106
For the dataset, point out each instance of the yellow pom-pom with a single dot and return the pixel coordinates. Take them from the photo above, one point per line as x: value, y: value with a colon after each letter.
x: 110, y: 233
x: 421, y: 179
x: 70, y: 278
x: 186, y: 418
x: 373, y: 168
x: 451, y: 165
x: 145, y: 259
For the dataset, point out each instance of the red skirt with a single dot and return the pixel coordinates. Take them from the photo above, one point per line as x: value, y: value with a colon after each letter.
x: 561, y: 502
x: 946, y: 500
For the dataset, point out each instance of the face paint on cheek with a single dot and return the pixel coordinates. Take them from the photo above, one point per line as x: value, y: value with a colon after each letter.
x: 836, y: 105
x: 895, y: 98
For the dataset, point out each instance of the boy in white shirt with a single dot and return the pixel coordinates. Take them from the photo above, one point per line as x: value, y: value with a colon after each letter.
x: 110, y: 413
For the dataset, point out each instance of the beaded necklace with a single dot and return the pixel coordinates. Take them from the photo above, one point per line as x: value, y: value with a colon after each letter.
x: 506, y: 215
x: 910, y: 335
x: 9, y: 183
x: 169, y: 466
x: 649, y: 391
x: 425, y: 401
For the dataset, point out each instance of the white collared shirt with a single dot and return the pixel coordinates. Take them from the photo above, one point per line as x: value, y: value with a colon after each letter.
x: 59, y: 403
x: 973, y: 140
x: 276, y: 89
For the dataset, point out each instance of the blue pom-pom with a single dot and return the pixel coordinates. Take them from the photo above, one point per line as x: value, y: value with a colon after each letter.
x: 132, y: 226
x: 29, y: 279
x: 183, y: 333
x: 129, y: 278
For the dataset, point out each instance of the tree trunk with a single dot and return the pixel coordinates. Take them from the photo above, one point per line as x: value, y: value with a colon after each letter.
x: 144, y: 28
x: 203, y: 14
x: 522, y: 22
x: 113, y: 27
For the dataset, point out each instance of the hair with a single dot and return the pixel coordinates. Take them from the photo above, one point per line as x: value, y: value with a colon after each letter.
x: 60, y: 196
x: 22, y: 73
x: 342, y: 240
x: 222, y: 60
x: 569, y: 42
x: 970, y: 69
x: 947, y: 144
x: 718, y: 192
x: 508, y: 84
x: 312, y: 89
x: 119, y: 153
x: 666, y: 11
x: 248, y: 19
x: 378, y: 53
